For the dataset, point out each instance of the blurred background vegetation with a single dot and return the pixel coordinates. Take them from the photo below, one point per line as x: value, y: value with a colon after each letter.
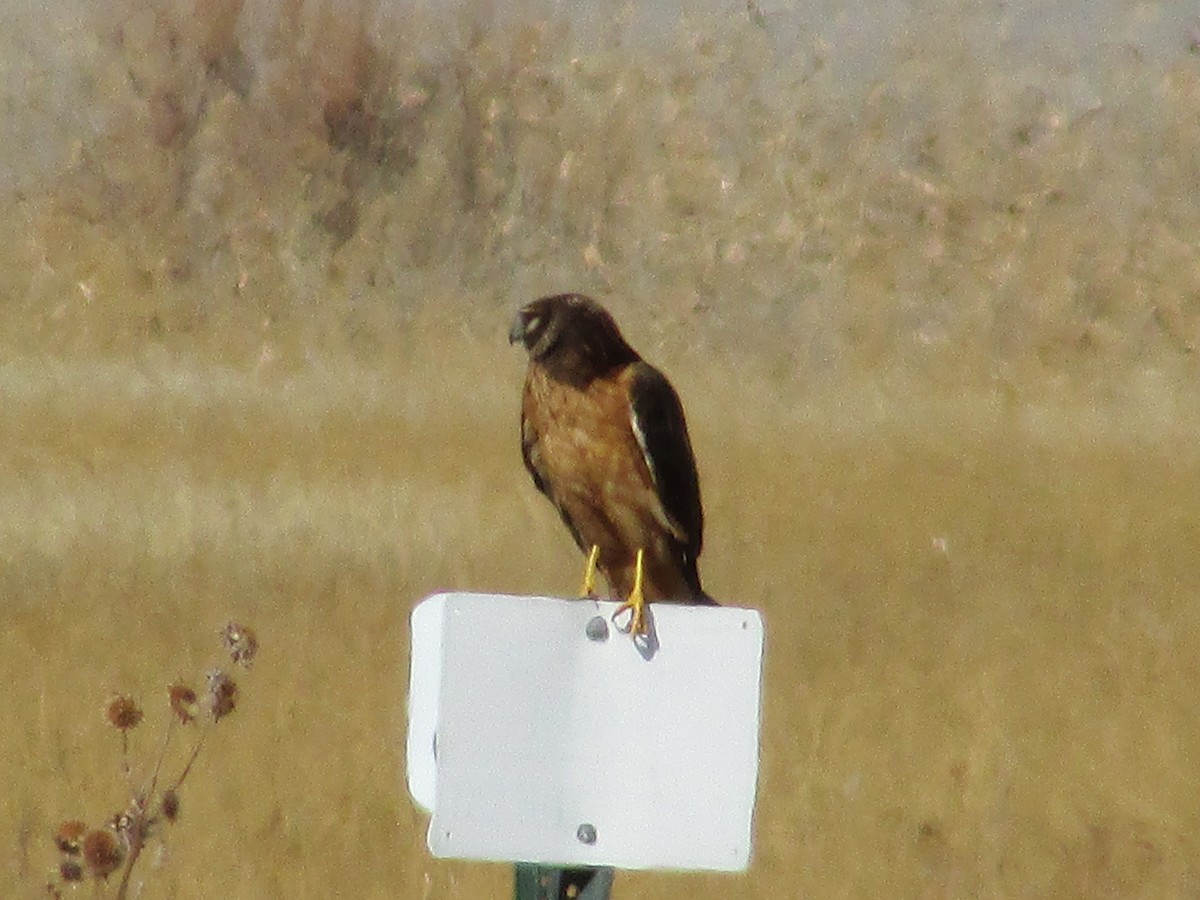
x: 932, y: 307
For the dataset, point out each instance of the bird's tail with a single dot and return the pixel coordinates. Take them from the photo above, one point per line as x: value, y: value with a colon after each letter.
x: 696, y: 594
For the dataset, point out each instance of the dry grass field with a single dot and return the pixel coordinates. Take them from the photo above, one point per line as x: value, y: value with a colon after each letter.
x: 935, y: 341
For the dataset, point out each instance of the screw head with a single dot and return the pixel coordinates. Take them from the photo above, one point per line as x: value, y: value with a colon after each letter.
x: 586, y: 833
x: 596, y: 629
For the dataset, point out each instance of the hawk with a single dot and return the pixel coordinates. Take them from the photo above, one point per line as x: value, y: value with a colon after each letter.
x: 604, y: 437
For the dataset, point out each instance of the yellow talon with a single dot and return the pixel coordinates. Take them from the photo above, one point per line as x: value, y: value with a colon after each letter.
x: 588, y: 589
x: 636, y: 603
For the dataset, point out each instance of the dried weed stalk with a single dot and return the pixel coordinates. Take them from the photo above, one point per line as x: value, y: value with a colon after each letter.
x: 114, y: 847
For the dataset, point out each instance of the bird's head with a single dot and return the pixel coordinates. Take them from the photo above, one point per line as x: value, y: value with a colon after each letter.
x: 573, y: 336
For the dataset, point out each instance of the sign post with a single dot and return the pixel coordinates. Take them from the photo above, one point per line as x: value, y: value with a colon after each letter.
x: 536, y: 882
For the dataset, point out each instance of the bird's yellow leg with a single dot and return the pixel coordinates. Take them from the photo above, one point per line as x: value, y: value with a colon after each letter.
x: 636, y: 602
x: 587, y: 590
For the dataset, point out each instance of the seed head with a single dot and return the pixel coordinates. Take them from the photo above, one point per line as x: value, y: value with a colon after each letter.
x: 102, y: 854
x: 69, y: 836
x: 170, y: 805
x: 183, y: 702
x: 123, y: 713
x: 222, y: 695
x: 241, y: 643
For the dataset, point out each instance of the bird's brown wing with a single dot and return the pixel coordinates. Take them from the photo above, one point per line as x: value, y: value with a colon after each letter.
x: 658, y: 424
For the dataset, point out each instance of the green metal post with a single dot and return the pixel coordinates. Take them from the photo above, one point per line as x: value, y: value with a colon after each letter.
x: 537, y: 882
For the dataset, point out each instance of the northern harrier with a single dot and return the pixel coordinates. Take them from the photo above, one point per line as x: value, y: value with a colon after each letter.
x: 603, y: 435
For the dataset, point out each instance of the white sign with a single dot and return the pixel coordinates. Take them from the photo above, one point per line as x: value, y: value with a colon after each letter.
x: 538, y: 732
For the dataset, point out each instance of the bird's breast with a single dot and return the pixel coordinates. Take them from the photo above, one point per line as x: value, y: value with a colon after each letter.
x: 589, y: 454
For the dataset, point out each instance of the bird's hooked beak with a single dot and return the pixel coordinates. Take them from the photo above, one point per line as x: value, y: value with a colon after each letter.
x: 516, y: 331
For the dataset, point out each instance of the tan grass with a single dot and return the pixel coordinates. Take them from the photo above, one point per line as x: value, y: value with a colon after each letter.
x: 935, y: 347
x: 979, y: 652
